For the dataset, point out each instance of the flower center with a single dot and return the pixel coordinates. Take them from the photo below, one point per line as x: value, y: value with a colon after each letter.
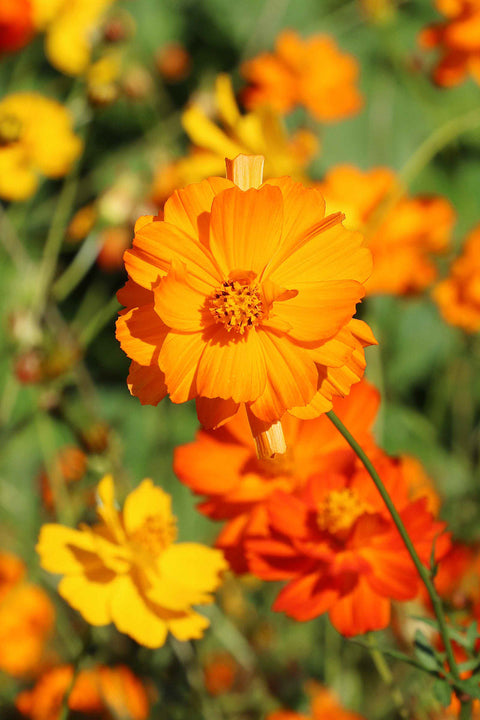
x: 155, y: 534
x: 339, y: 510
x: 10, y: 128
x: 236, y: 305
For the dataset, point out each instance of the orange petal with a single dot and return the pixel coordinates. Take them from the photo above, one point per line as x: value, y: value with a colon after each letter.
x: 179, y: 358
x: 140, y: 333
x: 232, y: 367
x: 189, y: 208
x: 292, y: 377
x: 179, y: 304
x: 360, y: 611
x: 245, y: 228
x: 319, y: 310
x: 154, y: 248
x: 214, y: 412
x: 147, y: 383
x: 209, y: 467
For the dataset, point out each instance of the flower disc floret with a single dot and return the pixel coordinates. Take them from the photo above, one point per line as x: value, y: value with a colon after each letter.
x: 339, y: 510
x: 237, y: 306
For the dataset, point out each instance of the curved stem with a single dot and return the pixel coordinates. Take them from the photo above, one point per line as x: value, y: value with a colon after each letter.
x: 422, y: 570
x: 386, y: 675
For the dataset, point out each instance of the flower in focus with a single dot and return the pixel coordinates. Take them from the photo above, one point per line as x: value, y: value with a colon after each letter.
x: 313, y: 73
x: 458, y: 296
x: 222, y: 465
x: 36, y: 138
x: 244, y: 294
x: 26, y: 619
x: 260, y: 132
x: 324, y: 706
x: 128, y: 570
x: 16, y: 24
x: 100, y: 691
x: 337, y: 547
x: 457, y: 38
x: 400, y: 231
x: 70, y: 29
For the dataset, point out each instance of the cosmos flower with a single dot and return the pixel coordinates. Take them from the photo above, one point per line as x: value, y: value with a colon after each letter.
x: 324, y: 705
x: 128, y: 570
x: 222, y: 465
x: 338, y: 550
x: 36, y: 138
x: 312, y: 73
x: 458, y: 295
x: 402, y: 232
x: 457, y: 39
x: 16, y: 24
x: 244, y: 294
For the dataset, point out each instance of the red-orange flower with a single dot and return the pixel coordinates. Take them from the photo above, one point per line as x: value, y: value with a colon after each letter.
x: 324, y: 706
x: 313, y: 73
x: 244, y: 294
x: 457, y: 39
x: 400, y: 231
x: 26, y: 619
x: 100, y: 691
x: 458, y: 296
x: 16, y: 24
x: 222, y: 465
x: 338, y: 549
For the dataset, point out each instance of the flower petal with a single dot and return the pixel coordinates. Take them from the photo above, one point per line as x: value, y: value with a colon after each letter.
x: 245, y: 228
x: 178, y: 359
x: 136, y: 617
x: 143, y: 502
x: 179, y: 304
x: 360, y: 611
x: 214, y: 412
x: 147, y: 382
x: 140, y: 333
x: 232, y: 367
x: 189, y: 208
x: 91, y: 597
x: 64, y: 550
x: 189, y: 626
x: 292, y: 377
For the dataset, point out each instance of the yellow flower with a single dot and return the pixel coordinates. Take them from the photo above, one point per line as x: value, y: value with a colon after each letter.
x: 127, y: 569
x: 260, y: 132
x: 69, y: 26
x: 36, y: 138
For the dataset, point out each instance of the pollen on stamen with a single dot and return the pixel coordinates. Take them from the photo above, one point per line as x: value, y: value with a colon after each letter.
x: 237, y: 306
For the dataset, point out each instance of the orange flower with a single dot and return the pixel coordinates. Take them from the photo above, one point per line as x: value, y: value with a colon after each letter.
x: 458, y: 40
x: 219, y: 672
x: 244, y: 294
x: 26, y: 619
x: 457, y: 578
x: 222, y: 465
x: 419, y: 483
x: 458, y: 296
x: 127, y: 569
x: 103, y: 691
x: 324, y: 706
x: 312, y: 73
x: 16, y: 24
x: 114, y: 242
x: 400, y: 231
x: 173, y: 62
x: 339, y: 551
x: 69, y: 466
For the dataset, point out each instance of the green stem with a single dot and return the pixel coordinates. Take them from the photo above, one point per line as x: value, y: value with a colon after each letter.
x: 386, y: 675
x: 435, y: 142
x: 422, y: 570
x: 98, y: 322
x: 465, y: 710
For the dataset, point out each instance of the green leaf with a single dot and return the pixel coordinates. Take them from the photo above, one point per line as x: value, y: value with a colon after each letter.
x: 472, y: 635
x: 425, y: 653
x: 442, y: 691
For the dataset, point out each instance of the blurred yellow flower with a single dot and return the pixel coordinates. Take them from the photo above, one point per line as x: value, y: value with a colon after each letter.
x: 260, y: 132
x: 36, y: 138
x: 127, y: 569
x: 70, y: 27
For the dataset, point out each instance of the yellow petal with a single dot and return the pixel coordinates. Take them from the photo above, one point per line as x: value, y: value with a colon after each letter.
x: 134, y: 616
x: 189, y: 626
x: 90, y: 597
x: 145, y: 501
x: 64, y: 550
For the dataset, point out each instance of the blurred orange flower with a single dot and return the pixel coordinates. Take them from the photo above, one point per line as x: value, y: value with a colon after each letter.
x: 127, y: 569
x: 457, y: 39
x: 244, y: 294
x: 222, y: 465
x: 458, y: 296
x: 219, y: 670
x: 26, y: 619
x: 103, y: 691
x: 36, y: 138
x: 324, y: 706
x: 400, y: 231
x: 173, y: 62
x: 457, y: 577
x: 260, y: 132
x: 69, y: 466
x: 312, y: 73
x: 338, y: 549
x: 16, y: 24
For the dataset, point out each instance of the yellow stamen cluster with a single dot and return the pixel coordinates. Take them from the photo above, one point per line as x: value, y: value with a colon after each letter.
x: 155, y: 534
x: 237, y: 306
x: 10, y: 129
x: 339, y: 510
